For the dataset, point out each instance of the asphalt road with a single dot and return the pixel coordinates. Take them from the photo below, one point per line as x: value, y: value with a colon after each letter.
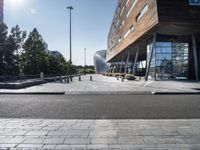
x: 100, y: 106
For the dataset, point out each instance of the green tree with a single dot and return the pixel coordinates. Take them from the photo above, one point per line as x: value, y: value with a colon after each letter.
x: 3, y: 38
x: 58, y: 65
x: 9, y: 46
x: 34, y: 58
x: 17, y: 37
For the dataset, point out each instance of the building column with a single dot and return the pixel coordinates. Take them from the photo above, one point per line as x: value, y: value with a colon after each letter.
x: 136, y: 59
x: 150, y: 58
x: 127, y: 61
x: 120, y: 70
x: 194, y: 47
x: 118, y: 65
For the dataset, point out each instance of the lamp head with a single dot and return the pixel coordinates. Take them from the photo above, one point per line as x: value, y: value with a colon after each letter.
x: 70, y: 7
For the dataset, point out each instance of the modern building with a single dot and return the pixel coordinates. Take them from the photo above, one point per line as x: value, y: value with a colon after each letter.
x: 100, y: 64
x: 157, y: 39
x: 1, y: 10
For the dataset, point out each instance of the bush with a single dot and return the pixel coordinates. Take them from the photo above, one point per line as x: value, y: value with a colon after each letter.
x: 130, y: 77
x: 116, y: 74
x: 123, y: 75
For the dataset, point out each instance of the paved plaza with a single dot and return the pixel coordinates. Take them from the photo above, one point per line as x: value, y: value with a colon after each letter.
x: 110, y: 84
x: 81, y: 119
x: 100, y: 134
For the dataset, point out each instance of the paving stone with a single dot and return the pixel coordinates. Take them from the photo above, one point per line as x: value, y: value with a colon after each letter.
x: 7, y: 145
x: 37, y: 133
x: 11, y: 140
x: 103, y: 141
x: 108, y: 133
x: 70, y: 133
x: 192, y: 140
x: 30, y: 146
x: 163, y: 140
x: 46, y: 146
x: 54, y: 141
x: 62, y: 147
x: 78, y: 147
x: 77, y: 141
x: 97, y: 146
x: 131, y: 140
x: 34, y: 141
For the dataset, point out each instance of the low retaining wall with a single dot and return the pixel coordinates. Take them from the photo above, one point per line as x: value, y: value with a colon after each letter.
x: 21, y: 84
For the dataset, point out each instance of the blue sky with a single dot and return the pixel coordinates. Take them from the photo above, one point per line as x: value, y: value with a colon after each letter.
x: 91, y: 20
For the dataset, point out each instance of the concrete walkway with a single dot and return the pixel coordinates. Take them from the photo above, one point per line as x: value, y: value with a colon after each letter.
x: 100, y: 134
x: 110, y: 84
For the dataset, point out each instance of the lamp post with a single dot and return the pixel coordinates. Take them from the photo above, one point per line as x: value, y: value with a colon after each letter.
x: 70, y: 37
x: 85, y: 59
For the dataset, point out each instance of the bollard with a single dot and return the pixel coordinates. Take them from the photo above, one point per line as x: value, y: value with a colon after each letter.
x: 122, y: 79
x: 139, y: 78
x: 67, y: 79
x: 79, y: 78
x: 41, y: 75
x: 71, y: 79
x: 90, y: 78
x: 117, y: 77
x: 60, y: 78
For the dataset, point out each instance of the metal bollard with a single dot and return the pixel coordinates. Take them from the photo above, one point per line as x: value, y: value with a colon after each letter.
x: 67, y: 79
x: 60, y: 78
x: 71, y: 79
x: 117, y: 77
x: 90, y: 78
x: 122, y: 79
x: 79, y: 78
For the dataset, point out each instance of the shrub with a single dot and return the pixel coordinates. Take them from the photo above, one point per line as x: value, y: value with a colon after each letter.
x: 123, y: 75
x: 116, y: 74
x: 130, y: 77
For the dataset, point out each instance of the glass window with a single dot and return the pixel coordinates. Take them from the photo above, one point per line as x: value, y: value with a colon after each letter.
x: 143, y: 11
x: 132, y: 6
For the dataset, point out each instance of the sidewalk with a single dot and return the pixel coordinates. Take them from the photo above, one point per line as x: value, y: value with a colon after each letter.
x: 110, y: 84
x: 100, y: 134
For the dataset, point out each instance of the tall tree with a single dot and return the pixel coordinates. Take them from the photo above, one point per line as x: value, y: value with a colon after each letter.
x: 3, y: 38
x: 34, y: 58
x: 17, y: 37
x: 9, y: 46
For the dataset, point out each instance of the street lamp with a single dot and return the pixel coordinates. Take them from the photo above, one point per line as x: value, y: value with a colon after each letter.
x: 85, y: 59
x: 70, y: 37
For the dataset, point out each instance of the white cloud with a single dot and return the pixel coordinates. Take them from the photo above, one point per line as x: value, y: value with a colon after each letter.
x: 33, y: 11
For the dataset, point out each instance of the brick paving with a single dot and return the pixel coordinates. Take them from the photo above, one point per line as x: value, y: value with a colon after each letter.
x: 100, y: 134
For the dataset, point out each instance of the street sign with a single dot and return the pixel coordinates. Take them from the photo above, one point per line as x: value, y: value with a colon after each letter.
x: 194, y: 2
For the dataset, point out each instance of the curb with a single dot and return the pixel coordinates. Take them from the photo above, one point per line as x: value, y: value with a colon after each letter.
x: 32, y: 93
x: 108, y: 93
x: 175, y: 93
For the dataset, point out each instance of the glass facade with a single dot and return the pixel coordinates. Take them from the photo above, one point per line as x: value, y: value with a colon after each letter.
x: 100, y: 64
x: 169, y: 59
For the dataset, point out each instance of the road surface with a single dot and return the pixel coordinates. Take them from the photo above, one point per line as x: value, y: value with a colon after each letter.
x: 100, y: 106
